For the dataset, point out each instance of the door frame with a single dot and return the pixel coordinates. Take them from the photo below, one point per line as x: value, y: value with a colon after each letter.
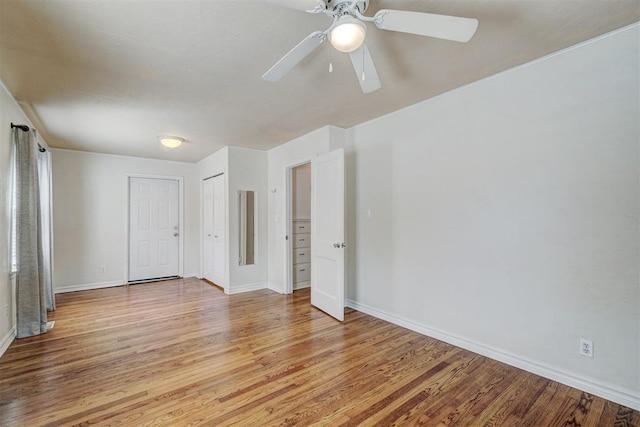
x: 288, y: 218
x: 127, y: 201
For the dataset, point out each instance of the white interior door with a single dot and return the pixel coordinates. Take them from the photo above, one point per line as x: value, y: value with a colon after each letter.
x: 213, y: 224
x: 219, y: 218
x: 154, y: 226
x: 327, y: 233
x: 208, y: 249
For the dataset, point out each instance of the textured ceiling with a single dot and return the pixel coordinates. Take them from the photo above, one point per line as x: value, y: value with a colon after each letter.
x: 110, y: 76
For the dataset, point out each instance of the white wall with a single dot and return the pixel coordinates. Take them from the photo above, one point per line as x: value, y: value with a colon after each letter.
x: 295, y: 152
x: 301, y: 191
x: 505, y: 215
x: 9, y: 112
x: 89, y: 215
x: 247, y: 171
x: 214, y: 164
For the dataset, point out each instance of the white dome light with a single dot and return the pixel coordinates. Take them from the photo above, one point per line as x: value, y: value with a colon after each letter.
x: 348, y: 34
x: 171, y: 141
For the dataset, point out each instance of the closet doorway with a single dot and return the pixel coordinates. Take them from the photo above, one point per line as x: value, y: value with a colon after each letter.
x: 300, y: 225
x: 314, y: 217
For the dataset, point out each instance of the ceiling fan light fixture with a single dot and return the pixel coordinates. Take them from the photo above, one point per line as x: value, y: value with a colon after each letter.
x: 171, y: 141
x: 348, y: 34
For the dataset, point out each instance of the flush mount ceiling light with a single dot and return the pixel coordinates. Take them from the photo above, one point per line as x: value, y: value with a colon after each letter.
x: 348, y: 34
x: 171, y: 141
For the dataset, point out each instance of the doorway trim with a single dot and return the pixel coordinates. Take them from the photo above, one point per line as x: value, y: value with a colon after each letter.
x: 127, y: 200
x: 288, y: 217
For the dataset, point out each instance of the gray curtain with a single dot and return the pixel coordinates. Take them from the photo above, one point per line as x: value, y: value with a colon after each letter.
x: 32, y: 293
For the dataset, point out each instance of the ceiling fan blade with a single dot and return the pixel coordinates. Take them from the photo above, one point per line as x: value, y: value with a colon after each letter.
x: 312, y: 6
x: 427, y: 24
x: 365, y: 69
x: 295, y: 55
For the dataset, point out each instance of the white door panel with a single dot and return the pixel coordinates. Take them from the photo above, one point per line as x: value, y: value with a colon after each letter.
x: 214, y: 226
x: 154, y: 224
x: 219, y: 218
x: 207, y: 224
x: 327, y: 233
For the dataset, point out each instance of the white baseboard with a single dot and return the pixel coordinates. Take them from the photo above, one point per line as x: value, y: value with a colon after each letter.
x: 302, y: 285
x: 87, y: 286
x: 275, y: 288
x: 610, y: 392
x: 245, y: 288
x: 7, y: 340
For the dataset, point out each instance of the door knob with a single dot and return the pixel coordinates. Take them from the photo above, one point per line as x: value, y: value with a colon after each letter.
x: 175, y: 234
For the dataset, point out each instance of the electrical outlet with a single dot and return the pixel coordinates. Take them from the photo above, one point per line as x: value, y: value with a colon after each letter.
x: 103, y: 268
x: 586, y: 347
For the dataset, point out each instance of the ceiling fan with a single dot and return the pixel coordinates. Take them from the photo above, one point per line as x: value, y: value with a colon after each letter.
x: 349, y: 30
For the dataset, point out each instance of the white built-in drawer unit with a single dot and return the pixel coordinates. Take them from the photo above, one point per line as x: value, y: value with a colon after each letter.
x: 301, y: 226
x: 301, y: 253
x: 302, y: 240
x: 301, y: 274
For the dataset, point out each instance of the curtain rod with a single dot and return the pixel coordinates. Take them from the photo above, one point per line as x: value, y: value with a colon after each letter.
x: 21, y: 127
x: 26, y: 129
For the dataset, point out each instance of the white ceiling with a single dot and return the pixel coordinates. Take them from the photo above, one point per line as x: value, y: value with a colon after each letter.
x: 110, y: 76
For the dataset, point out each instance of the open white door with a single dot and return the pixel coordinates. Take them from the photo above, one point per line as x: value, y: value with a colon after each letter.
x: 327, y: 233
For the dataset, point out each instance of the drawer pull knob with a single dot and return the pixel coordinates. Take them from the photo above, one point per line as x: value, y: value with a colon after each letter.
x: 302, y: 254
x: 302, y: 269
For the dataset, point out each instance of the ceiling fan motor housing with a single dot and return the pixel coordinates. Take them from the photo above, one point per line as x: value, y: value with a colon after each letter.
x: 340, y: 6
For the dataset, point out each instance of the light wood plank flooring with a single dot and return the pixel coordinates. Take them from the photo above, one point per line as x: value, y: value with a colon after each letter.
x: 182, y: 353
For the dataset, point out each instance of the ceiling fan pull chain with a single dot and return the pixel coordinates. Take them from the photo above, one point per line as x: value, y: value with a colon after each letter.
x: 330, y: 60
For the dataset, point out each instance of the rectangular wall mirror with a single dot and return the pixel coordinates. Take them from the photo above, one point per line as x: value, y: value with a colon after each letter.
x: 247, y: 213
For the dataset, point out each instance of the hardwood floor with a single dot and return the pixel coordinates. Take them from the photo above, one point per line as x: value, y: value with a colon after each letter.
x: 182, y: 353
